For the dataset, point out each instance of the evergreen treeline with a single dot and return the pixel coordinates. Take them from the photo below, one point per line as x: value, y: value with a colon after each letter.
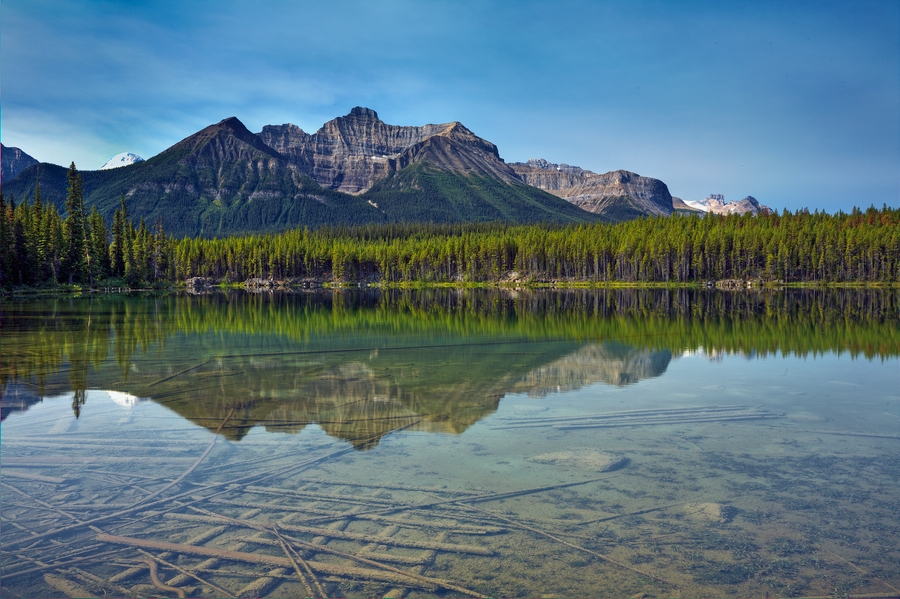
x: 38, y: 245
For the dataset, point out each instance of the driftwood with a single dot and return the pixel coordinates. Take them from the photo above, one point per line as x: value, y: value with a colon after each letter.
x: 459, y: 500
x: 96, y: 581
x: 262, y: 585
x: 14, y: 473
x: 256, y: 558
x: 193, y: 466
x: 605, y: 558
x: 156, y: 558
x: 351, y: 536
x: 154, y: 577
x: 384, y: 557
x: 404, y: 522
x: 66, y: 586
x: 322, y: 496
x: 295, y: 558
x: 323, y: 549
x: 634, y: 513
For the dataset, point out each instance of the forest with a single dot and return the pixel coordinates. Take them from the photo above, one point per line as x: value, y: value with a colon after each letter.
x: 40, y: 246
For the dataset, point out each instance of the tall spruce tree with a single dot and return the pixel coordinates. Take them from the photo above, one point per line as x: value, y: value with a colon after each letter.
x: 75, y: 259
x: 117, y: 247
x: 98, y: 245
x: 4, y: 243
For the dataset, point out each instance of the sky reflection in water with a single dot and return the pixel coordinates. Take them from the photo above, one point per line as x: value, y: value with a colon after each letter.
x: 565, y: 443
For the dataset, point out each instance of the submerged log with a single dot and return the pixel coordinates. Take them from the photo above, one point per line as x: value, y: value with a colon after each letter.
x: 352, y: 536
x: 256, y: 558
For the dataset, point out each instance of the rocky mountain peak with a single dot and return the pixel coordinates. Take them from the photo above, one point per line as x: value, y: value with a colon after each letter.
x: 350, y: 153
x: 226, y: 140
x: 546, y: 165
x: 12, y: 162
x: 618, y: 194
x: 364, y: 113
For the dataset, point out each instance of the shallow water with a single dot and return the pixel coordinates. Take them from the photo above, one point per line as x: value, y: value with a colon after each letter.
x: 445, y: 443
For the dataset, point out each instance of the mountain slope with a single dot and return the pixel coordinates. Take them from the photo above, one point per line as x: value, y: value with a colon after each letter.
x: 617, y: 195
x: 221, y: 180
x: 12, y: 162
x: 423, y: 192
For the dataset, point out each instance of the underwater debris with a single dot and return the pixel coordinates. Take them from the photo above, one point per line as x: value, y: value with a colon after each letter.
x: 586, y: 459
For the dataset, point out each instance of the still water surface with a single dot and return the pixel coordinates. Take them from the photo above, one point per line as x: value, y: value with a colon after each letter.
x: 452, y: 443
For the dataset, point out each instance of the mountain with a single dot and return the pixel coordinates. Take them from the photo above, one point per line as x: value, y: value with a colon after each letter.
x: 221, y: 180
x: 617, y: 195
x: 716, y: 204
x: 12, y: 162
x: 225, y: 180
x: 679, y: 206
x: 123, y: 159
x: 352, y: 152
x: 433, y: 173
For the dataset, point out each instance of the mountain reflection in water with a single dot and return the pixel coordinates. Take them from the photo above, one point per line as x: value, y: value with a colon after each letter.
x: 622, y: 443
x: 363, y: 364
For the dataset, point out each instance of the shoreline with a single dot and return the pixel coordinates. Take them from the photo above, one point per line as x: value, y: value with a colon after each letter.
x: 65, y: 290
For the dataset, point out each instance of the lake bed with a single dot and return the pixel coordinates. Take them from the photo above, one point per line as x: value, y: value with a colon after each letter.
x: 581, y: 443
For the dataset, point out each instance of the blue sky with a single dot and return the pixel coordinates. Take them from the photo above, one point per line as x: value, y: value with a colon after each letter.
x: 795, y: 103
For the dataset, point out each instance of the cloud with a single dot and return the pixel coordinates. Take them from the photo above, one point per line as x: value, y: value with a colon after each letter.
x: 698, y: 94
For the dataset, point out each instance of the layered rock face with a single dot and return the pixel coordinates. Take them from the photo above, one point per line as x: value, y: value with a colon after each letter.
x: 352, y: 152
x: 12, y: 162
x: 716, y: 204
x: 617, y: 194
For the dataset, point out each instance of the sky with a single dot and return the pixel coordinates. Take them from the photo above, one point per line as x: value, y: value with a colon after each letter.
x: 795, y: 103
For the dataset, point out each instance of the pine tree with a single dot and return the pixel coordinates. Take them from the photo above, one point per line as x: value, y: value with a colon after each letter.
x: 38, y: 239
x: 75, y: 257
x: 4, y: 243
x: 117, y: 247
x: 99, y: 245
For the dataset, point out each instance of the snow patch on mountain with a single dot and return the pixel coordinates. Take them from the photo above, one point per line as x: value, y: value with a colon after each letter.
x: 123, y: 159
x: 716, y: 204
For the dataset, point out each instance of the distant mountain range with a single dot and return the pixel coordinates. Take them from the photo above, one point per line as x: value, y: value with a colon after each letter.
x: 12, y: 162
x: 354, y: 170
x: 716, y: 204
x: 619, y: 195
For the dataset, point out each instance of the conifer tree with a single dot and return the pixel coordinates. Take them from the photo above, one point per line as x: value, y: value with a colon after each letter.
x: 4, y: 243
x: 99, y: 245
x: 38, y: 238
x: 117, y: 247
x: 75, y: 258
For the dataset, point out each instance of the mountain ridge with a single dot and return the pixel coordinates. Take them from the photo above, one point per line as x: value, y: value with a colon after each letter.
x: 352, y: 152
x: 12, y: 162
x: 224, y: 180
x: 616, y: 195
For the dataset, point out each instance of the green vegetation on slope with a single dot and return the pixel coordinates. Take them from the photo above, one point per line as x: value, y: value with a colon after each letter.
x: 35, y: 247
x: 424, y: 194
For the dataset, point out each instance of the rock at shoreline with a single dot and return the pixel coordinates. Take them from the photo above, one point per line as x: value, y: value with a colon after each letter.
x: 199, y: 284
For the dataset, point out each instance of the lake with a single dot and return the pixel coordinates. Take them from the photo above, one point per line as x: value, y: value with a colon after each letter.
x: 452, y: 443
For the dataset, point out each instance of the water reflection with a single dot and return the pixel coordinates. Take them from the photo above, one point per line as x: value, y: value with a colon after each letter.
x: 613, y: 445
x: 362, y: 364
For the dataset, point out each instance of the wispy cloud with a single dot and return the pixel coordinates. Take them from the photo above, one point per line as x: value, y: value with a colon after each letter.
x: 774, y: 100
